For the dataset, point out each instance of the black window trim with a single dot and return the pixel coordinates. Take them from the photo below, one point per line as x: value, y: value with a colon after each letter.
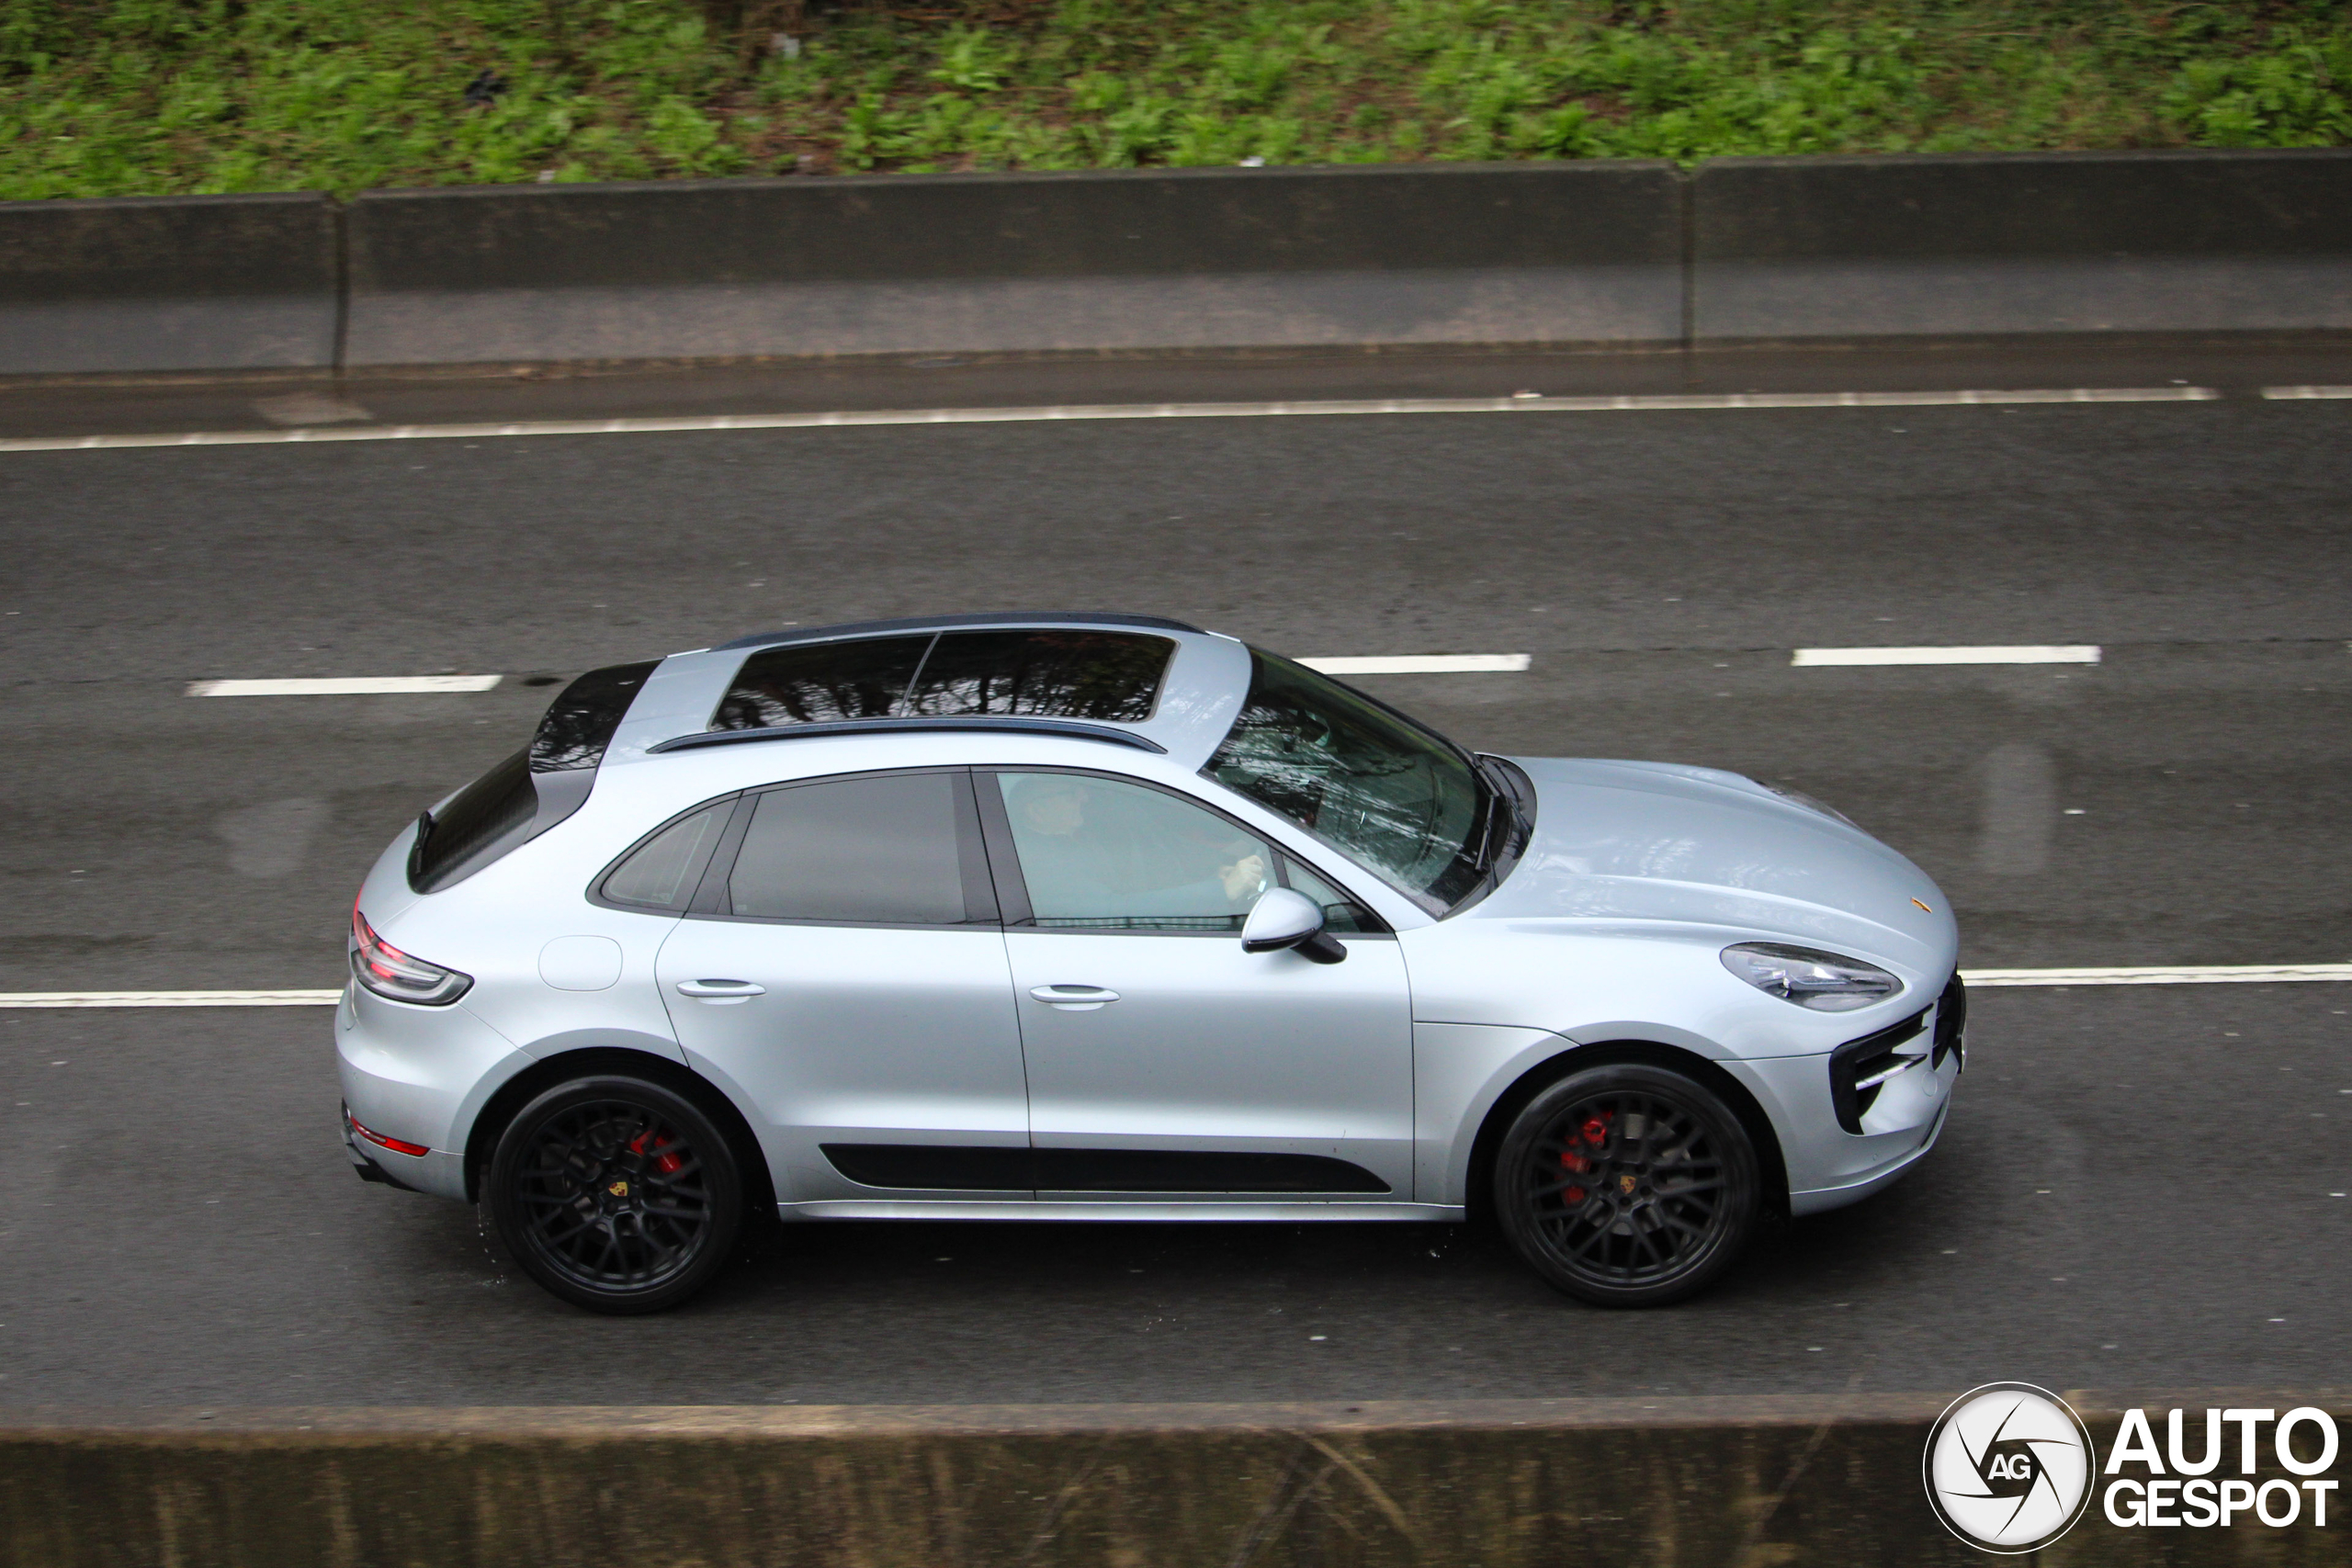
x: 710, y: 900
x: 1013, y: 889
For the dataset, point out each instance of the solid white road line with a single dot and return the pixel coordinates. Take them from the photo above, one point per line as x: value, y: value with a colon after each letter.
x: 2189, y: 975
x: 1631, y: 403
x: 2278, y: 394
x: 1419, y: 664
x: 168, y: 999
x: 2076, y: 654
x: 342, y: 686
x: 2179, y: 975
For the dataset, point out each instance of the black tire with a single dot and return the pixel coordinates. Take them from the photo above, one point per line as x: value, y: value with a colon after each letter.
x: 616, y: 1194
x: 1627, y: 1186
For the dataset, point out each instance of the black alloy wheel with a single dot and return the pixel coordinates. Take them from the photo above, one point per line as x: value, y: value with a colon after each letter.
x: 1626, y: 1186
x: 616, y: 1194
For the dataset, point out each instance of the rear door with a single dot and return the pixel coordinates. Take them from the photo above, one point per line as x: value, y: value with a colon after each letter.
x: 842, y: 966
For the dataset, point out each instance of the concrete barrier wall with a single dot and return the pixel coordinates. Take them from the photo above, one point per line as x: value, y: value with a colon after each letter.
x: 1599, y: 256
x: 201, y: 283
x: 1573, y: 254
x: 1791, y: 250
x: 1533, y: 1484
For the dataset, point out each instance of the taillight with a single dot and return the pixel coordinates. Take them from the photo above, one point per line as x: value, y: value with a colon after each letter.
x: 387, y: 971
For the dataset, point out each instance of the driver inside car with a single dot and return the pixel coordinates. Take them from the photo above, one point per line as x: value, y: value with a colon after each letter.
x: 1096, y: 850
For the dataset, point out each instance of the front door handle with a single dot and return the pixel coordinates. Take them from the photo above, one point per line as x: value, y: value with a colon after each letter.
x: 1074, y: 999
x: 721, y: 993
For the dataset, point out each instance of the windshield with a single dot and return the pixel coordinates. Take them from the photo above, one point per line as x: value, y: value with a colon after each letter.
x: 1397, y: 799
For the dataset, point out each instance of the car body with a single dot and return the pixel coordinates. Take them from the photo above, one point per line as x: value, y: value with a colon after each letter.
x: 1040, y: 836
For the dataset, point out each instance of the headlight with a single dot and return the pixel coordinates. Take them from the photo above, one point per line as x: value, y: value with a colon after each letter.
x: 1809, y: 977
x: 1799, y: 798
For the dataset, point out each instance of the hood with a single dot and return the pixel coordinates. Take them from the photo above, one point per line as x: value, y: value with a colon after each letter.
x: 1652, y: 842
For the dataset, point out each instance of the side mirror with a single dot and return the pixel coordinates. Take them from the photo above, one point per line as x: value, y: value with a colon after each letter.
x: 1285, y: 918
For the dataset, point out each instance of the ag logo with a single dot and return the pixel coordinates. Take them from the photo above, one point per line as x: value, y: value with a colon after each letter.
x: 2009, y: 1467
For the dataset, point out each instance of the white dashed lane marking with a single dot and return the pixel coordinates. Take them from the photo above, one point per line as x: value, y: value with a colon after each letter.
x: 2039, y: 653
x: 168, y: 999
x: 1053, y: 413
x: 2173, y: 974
x: 342, y: 686
x: 2192, y: 974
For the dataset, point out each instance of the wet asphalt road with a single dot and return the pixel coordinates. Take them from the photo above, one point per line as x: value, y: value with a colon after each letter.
x: 2135, y: 1183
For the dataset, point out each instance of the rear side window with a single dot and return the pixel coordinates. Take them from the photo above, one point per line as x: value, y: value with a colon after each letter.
x: 1105, y: 677
x: 662, y: 874
x: 888, y: 849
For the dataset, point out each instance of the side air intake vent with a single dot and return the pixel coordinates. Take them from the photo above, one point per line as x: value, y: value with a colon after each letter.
x: 1857, y: 1067
x: 1952, y: 1024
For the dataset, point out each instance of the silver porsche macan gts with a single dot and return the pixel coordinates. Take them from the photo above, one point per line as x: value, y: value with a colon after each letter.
x: 1080, y: 917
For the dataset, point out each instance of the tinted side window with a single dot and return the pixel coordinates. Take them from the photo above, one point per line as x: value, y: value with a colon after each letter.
x: 1099, y: 855
x: 1341, y: 914
x: 855, y: 850
x: 1109, y: 677
x: 662, y: 874
x: 821, y: 682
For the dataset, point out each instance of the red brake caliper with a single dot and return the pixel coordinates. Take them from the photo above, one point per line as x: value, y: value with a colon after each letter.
x: 1594, y: 1131
x: 664, y: 1164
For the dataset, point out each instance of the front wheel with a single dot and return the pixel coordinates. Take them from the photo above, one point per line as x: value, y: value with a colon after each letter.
x: 616, y: 1194
x: 1627, y: 1186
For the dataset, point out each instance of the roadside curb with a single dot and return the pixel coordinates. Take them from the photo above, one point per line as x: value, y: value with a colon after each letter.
x: 1737, y: 1481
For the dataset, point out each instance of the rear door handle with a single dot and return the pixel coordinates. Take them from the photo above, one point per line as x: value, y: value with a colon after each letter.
x: 1074, y: 999
x: 721, y: 993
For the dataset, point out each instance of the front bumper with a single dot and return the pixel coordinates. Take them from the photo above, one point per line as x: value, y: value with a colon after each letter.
x: 1828, y: 1165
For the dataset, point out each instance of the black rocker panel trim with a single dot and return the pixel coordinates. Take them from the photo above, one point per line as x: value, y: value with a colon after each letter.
x: 944, y: 1168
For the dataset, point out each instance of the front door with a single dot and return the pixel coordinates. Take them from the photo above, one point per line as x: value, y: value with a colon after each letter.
x: 843, y: 969
x: 1163, y: 1059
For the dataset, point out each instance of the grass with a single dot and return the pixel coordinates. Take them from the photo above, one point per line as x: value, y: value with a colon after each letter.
x: 122, y: 97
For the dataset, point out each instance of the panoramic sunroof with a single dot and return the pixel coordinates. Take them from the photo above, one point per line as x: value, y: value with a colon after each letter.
x: 1107, y: 677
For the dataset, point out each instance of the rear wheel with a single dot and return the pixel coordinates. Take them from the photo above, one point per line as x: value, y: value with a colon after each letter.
x: 616, y: 1194
x: 1627, y: 1186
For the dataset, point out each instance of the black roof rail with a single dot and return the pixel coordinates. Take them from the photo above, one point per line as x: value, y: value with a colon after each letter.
x: 1067, y: 728
x: 945, y: 623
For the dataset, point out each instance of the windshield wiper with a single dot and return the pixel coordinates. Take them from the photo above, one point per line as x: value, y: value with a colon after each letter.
x: 1497, y: 796
x: 1515, y: 821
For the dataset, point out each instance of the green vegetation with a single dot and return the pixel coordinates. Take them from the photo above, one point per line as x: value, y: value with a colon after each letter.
x: 113, y: 97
